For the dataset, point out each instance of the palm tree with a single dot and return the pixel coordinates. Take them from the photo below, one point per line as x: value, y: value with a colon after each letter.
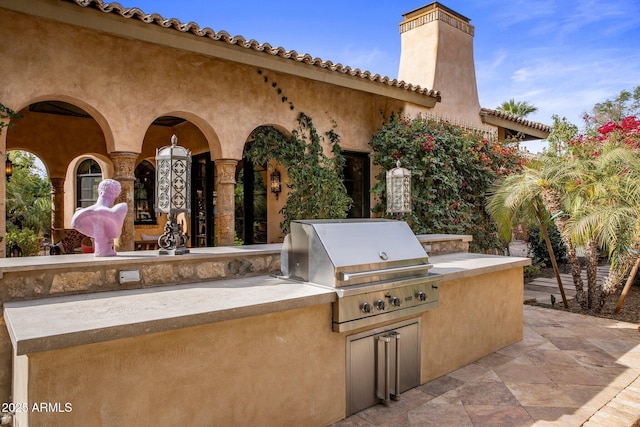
x: 520, y: 109
x: 580, y: 182
x: 608, y: 209
x: 538, y: 192
x: 552, y: 182
x: 528, y: 197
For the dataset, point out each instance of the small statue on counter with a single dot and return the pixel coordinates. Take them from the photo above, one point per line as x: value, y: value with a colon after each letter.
x: 101, y: 221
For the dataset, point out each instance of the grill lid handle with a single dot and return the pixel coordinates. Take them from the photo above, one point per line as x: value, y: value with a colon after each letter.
x: 422, y: 268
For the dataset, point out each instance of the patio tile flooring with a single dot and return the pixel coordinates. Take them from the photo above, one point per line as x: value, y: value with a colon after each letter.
x: 569, y: 370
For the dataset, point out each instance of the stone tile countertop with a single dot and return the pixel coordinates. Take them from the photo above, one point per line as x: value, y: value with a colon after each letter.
x: 59, y: 322
x: 52, y: 323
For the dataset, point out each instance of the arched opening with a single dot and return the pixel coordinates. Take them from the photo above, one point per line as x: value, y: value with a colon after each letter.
x: 203, y: 201
x: 28, y: 204
x: 60, y: 131
x: 260, y: 194
x: 251, y: 203
x: 356, y: 177
x: 57, y: 132
x: 144, y: 190
x: 200, y: 225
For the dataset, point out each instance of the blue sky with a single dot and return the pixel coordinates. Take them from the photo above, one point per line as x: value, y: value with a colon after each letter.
x: 562, y: 56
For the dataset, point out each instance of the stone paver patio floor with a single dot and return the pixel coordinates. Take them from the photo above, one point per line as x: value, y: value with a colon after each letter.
x: 569, y: 370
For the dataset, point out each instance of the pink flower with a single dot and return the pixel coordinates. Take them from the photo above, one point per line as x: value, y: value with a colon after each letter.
x: 630, y: 123
x: 608, y: 128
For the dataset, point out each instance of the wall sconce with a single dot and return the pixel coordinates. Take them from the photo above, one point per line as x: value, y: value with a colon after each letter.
x: 173, y: 195
x: 8, y: 168
x: 276, y: 184
x: 398, y: 190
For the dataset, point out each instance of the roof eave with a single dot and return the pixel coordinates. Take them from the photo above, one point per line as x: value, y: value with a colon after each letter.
x: 529, y: 132
x: 94, y: 19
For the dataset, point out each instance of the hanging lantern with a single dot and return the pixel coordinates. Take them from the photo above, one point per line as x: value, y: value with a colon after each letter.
x: 398, y: 190
x: 276, y: 184
x: 8, y: 168
x: 173, y: 194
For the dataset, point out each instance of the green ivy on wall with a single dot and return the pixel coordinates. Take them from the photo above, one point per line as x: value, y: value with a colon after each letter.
x: 7, y: 113
x: 451, y: 170
x: 316, y: 190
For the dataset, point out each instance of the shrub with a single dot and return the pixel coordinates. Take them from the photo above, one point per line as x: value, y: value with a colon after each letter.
x: 538, y: 247
x: 26, y: 239
x: 451, y: 171
x: 531, y: 270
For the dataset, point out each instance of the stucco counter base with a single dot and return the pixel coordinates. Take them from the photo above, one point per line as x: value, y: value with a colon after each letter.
x: 234, y: 352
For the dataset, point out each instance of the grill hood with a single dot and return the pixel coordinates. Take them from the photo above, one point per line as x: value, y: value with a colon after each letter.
x: 348, y: 252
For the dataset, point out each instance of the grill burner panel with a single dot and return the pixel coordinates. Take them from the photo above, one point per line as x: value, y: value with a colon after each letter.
x: 375, y: 306
x: 378, y: 268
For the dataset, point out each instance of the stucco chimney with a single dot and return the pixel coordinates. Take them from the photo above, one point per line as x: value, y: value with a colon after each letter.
x: 437, y: 53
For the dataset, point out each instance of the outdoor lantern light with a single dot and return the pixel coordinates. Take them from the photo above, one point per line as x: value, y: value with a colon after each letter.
x: 8, y: 168
x: 276, y: 185
x: 173, y: 195
x: 398, y: 190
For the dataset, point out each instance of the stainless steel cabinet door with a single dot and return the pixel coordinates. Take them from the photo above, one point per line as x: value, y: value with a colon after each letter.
x: 381, y: 364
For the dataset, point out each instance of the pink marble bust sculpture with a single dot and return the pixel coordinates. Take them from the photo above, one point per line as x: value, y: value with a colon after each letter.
x: 101, y: 221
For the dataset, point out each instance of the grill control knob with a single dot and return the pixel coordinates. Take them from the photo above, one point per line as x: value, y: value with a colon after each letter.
x: 380, y: 304
x: 365, y: 307
x: 395, y: 301
x: 421, y: 296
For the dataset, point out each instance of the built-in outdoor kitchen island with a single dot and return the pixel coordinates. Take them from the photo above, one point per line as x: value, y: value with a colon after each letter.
x: 218, y: 337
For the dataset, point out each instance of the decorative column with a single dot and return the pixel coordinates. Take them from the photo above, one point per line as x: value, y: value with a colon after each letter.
x: 225, y: 207
x: 57, y: 208
x: 3, y: 199
x: 124, y: 164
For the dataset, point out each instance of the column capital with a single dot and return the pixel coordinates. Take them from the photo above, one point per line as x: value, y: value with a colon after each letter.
x: 124, y: 165
x: 57, y: 185
x: 226, y: 169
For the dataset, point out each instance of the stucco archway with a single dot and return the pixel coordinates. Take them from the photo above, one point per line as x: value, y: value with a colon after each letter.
x: 58, y: 128
x: 195, y: 134
x: 258, y: 205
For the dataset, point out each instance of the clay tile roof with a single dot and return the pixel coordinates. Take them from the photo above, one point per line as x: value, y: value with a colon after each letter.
x: 224, y: 37
x: 516, y: 119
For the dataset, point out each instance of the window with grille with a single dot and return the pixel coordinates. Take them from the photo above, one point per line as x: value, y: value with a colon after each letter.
x: 88, y: 176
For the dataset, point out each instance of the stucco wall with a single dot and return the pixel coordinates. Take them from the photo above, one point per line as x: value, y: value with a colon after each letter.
x: 439, y: 55
x: 476, y: 317
x: 125, y: 84
x: 279, y: 369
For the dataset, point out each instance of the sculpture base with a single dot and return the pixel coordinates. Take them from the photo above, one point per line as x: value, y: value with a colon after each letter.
x: 179, y: 251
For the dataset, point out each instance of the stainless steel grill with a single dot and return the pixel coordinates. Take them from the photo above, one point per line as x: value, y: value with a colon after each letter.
x: 377, y: 267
